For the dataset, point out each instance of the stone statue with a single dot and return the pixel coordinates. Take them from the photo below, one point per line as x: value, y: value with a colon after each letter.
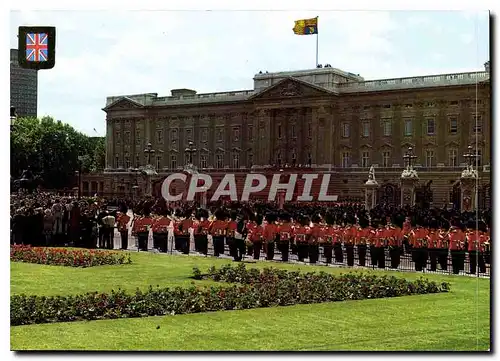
x: 371, y: 173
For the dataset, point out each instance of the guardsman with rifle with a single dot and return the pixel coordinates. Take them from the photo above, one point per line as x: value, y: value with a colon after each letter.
x: 218, y: 231
x: 314, y: 237
x: 380, y: 242
x: 349, y: 237
x: 184, y: 235
x: 270, y: 233
x: 160, y: 230
x: 338, y: 234
x: 432, y: 244
x: 256, y: 237
x: 443, y: 249
x: 328, y: 239
x: 456, y: 241
x: 302, y: 232
x: 395, y: 242
x: 230, y: 233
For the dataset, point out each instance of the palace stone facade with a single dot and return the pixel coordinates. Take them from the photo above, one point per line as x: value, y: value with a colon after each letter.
x: 328, y: 119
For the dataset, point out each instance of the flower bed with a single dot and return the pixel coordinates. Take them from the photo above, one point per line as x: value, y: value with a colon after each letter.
x: 256, y: 289
x: 67, y: 257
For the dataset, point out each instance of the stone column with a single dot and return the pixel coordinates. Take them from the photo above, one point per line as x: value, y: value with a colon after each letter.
x: 281, y: 198
x: 109, y: 145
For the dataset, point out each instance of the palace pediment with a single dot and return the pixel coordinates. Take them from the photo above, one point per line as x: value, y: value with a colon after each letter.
x: 290, y: 88
x: 123, y: 104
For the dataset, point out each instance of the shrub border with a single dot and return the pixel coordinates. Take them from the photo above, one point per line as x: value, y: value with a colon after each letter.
x: 253, y: 289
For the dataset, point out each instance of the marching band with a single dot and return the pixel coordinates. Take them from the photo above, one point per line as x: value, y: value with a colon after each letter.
x: 305, y: 237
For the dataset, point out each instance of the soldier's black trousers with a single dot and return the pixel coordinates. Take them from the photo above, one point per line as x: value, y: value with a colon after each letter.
x: 256, y: 249
x: 183, y: 243
x: 142, y: 240
x: 239, y: 249
x: 456, y: 259
x: 433, y: 255
x: 201, y: 243
x: 230, y: 245
x: 475, y: 259
x: 362, y: 254
x: 373, y: 255
x: 395, y: 255
x: 442, y: 255
x: 337, y: 251
x: 250, y: 249
x: 380, y: 254
x: 302, y: 251
x: 328, y: 253
x: 284, y: 248
x: 160, y: 241
x: 270, y: 251
x: 313, y: 253
x: 420, y: 258
x: 349, y: 250
x: 124, y: 238
x: 108, y: 237
x: 218, y: 245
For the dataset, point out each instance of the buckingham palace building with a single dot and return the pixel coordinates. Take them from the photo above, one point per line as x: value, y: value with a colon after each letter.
x: 322, y: 119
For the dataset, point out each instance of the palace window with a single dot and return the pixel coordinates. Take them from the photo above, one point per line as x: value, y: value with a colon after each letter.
x: 189, y: 135
x: 279, y: 131
x: 408, y: 106
x: 453, y: 125
x: 137, y: 160
x: 387, y: 106
x: 117, y: 162
x: 294, y: 134
x: 219, y: 134
x: 174, y: 134
x: 309, y: 131
x: 250, y: 160
x: 365, y: 129
x: 387, y: 127
x: 278, y: 158
x: 294, y: 156
x: 250, y: 133
x: 236, y: 160
x: 236, y: 134
x: 219, y: 161
x: 158, y: 162
x: 118, y: 137
x: 159, y: 136
x: 173, y: 161
x: 127, y: 137
x: 346, y: 159
x: 386, y: 159
x: 346, y: 130
x: 127, y: 162
x: 452, y: 158
x: 430, y: 104
x: 477, y: 124
x: 204, y: 134
x: 429, y: 158
x: 365, y: 159
x: 138, y: 138
x: 203, y: 161
x: 408, y: 127
x: 454, y: 103
x: 431, y: 126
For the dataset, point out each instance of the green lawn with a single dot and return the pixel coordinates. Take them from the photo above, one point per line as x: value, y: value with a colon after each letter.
x: 459, y: 320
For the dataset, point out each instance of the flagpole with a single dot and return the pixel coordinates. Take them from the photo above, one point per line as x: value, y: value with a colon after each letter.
x: 317, y: 40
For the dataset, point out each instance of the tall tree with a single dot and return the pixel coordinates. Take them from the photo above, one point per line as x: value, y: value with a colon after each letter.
x: 51, y: 148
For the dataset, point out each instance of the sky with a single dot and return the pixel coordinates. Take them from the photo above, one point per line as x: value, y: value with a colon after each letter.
x: 109, y: 53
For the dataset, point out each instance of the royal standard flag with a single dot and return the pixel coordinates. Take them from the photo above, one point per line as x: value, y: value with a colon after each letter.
x: 306, y: 27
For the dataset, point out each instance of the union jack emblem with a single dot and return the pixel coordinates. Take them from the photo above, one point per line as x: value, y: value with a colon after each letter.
x: 37, y: 47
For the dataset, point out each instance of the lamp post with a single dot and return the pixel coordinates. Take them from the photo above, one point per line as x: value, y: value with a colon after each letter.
x: 190, y: 150
x: 80, y: 161
x: 409, y: 156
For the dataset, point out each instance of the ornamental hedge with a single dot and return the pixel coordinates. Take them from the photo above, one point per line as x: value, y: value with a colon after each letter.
x: 254, y: 289
x: 67, y: 257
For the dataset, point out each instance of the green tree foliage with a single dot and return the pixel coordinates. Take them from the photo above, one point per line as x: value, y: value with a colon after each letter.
x: 51, y: 148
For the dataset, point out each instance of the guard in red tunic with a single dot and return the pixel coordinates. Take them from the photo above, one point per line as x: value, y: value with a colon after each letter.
x: 230, y: 233
x: 256, y: 237
x: 302, y: 232
x: 380, y: 242
x: 314, y: 239
x: 270, y: 232
x: 360, y: 239
x: 201, y: 231
x: 338, y: 234
x: 183, y: 236
x: 457, y: 240
x: 443, y: 247
x: 432, y: 243
x: 142, y: 227
x: 328, y: 239
x: 284, y: 236
x: 476, y: 259
x: 417, y: 238
x: 349, y: 237
x: 162, y: 224
x: 395, y: 241
x: 251, y: 225
x: 122, y: 220
x: 218, y: 231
